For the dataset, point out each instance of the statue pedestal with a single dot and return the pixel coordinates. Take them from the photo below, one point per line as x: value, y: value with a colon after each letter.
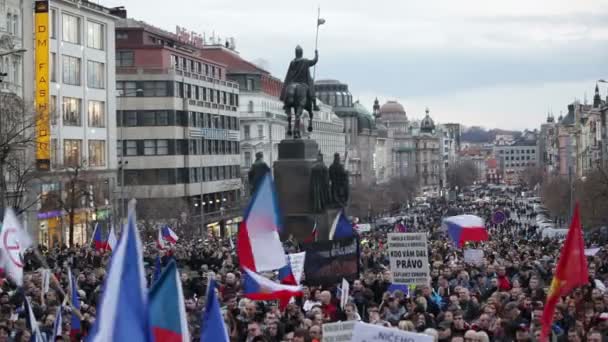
x: 292, y: 173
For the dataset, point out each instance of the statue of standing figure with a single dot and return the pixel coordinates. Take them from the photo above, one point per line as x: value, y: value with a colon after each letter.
x: 319, y: 185
x: 258, y: 170
x: 298, y: 92
x: 339, y: 183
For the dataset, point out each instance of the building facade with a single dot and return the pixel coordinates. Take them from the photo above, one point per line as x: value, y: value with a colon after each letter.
x: 82, y: 121
x: 178, y: 124
x: 517, y: 157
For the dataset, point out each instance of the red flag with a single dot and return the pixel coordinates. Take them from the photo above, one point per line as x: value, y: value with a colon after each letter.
x: 571, y: 271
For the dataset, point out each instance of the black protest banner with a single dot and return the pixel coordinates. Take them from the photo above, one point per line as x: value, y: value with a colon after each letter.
x: 327, y: 262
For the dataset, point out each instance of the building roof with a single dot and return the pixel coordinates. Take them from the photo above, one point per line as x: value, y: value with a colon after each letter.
x: 233, y: 61
x: 427, y: 124
x: 364, y: 117
x: 392, y: 107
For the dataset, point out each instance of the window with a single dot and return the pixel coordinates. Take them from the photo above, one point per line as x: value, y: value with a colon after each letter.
x: 149, y: 118
x: 131, y: 148
x: 71, y: 29
x: 162, y: 147
x: 247, y: 131
x: 250, y: 107
x: 71, y: 70
x: 247, y: 159
x: 95, y: 75
x: 53, y: 110
x: 16, y: 30
x: 131, y: 118
x: 95, y: 35
x: 53, y: 23
x: 71, y: 111
x: 149, y: 148
x: 127, y: 89
x: 162, y: 118
x: 122, y: 35
x: 119, y: 148
x: 72, y: 152
x: 97, y: 153
x: 125, y: 58
x: 52, y: 63
x: 174, y: 62
x: 96, y: 114
x: 260, y: 131
x: 155, y: 88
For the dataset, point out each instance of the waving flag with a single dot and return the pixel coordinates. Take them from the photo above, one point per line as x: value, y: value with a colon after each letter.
x: 213, y: 328
x: 31, y: 321
x: 463, y: 228
x: 15, y: 241
x: 313, y: 235
x: 75, y: 328
x: 122, y: 313
x: 258, y: 245
x: 257, y: 287
x: 112, y: 241
x: 98, y: 242
x: 167, y: 310
x: 400, y: 228
x: 169, y: 235
x: 160, y: 241
x: 341, y: 228
x: 286, y: 275
x: 571, y: 271
x: 57, y: 324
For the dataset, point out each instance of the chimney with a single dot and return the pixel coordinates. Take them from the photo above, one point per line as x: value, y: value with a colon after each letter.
x: 120, y: 12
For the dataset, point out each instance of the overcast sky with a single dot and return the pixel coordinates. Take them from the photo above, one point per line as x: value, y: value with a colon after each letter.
x: 478, y: 62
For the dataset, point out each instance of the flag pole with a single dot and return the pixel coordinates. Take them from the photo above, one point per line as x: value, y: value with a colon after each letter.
x: 314, y: 70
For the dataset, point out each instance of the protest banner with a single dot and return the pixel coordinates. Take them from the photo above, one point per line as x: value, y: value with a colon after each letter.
x: 591, y: 251
x: 363, y: 227
x: 297, y: 264
x: 364, y: 332
x: 338, y: 332
x: 327, y: 262
x: 409, y: 259
x: 473, y: 256
x: 345, y: 289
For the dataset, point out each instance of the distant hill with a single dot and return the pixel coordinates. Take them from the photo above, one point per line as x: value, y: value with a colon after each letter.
x: 476, y: 134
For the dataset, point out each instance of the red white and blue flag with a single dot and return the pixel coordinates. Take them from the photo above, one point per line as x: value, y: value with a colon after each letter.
x: 257, y: 287
x: 160, y: 241
x: 169, y: 235
x: 167, y: 310
x: 213, y: 327
x: 122, y: 312
x: 98, y: 241
x: 464, y: 228
x: 75, y: 328
x: 258, y: 245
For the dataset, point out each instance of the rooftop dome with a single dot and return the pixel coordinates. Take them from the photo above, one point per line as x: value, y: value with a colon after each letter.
x: 364, y: 117
x: 427, y: 124
x: 392, y: 111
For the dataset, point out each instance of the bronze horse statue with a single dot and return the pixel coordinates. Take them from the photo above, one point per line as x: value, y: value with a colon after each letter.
x: 295, y: 102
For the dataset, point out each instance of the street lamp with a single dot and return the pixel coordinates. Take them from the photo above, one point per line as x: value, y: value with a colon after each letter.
x: 122, y: 161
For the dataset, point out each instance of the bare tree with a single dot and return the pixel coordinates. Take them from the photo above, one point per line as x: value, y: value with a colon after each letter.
x: 462, y: 174
x: 17, y: 134
x: 389, y: 197
x: 555, y: 192
x: 592, y: 195
x: 532, y: 176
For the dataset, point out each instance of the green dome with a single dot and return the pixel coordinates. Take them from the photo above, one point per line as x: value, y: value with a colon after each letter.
x: 364, y: 117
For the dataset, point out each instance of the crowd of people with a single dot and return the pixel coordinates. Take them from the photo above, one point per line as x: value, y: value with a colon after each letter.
x: 500, y: 298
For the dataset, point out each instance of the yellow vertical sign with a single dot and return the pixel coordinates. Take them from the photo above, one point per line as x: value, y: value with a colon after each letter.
x: 42, y: 97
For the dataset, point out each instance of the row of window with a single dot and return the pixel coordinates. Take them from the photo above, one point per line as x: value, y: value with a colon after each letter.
x: 517, y: 158
x: 175, y: 89
x: 519, y: 164
x: 71, y: 109
x: 71, y: 30
x: 186, y: 64
x: 73, y: 152
x: 529, y: 151
x: 71, y: 71
x: 181, y: 175
x: 12, y: 24
x: 161, y: 147
x: 131, y: 118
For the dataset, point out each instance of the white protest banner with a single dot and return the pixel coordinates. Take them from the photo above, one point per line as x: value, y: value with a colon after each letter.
x: 345, y: 289
x: 364, y: 332
x: 338, y: 332
x: 363, y: 227
x: 408, y: 258
x: 591, y: 251
x: 297, y: 264
x: 473, y: 256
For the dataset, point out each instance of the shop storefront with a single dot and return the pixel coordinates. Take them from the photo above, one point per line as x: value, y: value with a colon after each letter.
x: 231, y: 227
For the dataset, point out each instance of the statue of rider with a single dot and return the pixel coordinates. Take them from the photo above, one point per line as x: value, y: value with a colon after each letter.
x: 299, y: 72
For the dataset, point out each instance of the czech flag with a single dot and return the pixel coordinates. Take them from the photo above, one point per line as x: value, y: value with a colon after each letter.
x: 75, y: 328
x: 313, y: 235
x: 463, y: 228
x: 258, y: 244
x: 341, y: 228
x: 167, y: 309
x: 257, y: 287
x: 168, y: 234
x: 286, y: 274
x: 160, y: 241
x: 112, y: 240
x: 98, y: 242
x: 213, y: 327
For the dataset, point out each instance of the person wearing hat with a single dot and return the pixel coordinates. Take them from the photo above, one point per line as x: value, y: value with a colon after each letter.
x: 444, y: 330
